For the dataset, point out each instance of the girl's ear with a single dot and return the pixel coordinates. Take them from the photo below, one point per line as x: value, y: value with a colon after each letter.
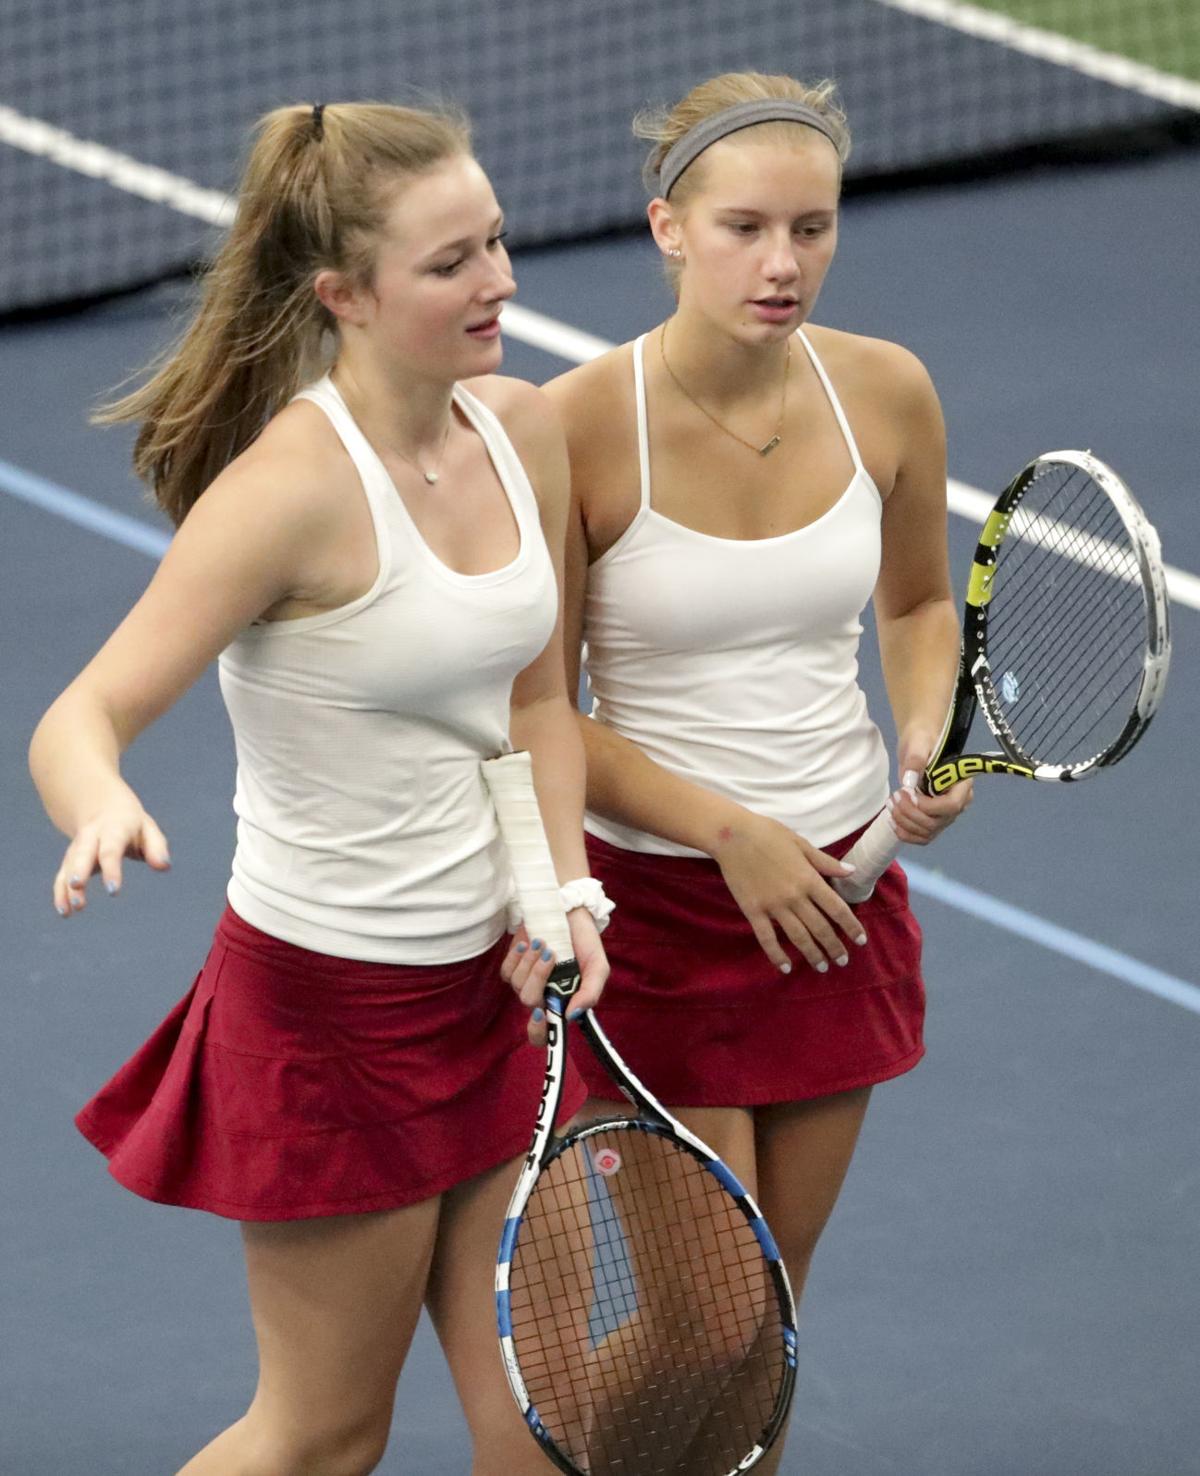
x: 339, y: 296
x: 664, y: 228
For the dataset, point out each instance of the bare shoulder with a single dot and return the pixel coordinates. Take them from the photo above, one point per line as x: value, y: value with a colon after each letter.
x: 289, y: 483
x: 874, y: 365
x: 526, y: 412
x: 591, y: 396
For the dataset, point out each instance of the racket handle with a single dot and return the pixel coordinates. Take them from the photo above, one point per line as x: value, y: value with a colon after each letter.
x: 871, y: 855
x: 510, y: 782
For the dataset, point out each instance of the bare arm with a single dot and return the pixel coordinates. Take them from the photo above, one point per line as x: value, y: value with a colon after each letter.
x: 235, y: 556
x: 914, y: 605
x: 543, y: 719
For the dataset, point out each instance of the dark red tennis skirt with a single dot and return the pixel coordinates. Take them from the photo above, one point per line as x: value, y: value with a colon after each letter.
x: 702, y: 1016
x: 289, y: 1084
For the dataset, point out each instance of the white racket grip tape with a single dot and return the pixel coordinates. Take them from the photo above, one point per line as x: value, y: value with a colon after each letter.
x: 510, y: 782
x: 870, y: 855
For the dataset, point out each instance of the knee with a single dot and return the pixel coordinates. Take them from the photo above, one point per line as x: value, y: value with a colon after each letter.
x: 347, y: 1448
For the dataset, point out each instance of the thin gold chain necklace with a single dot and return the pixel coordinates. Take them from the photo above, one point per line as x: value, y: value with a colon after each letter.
x: 769, y: 446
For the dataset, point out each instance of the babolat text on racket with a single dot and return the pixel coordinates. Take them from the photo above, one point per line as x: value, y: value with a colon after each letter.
x: 1065, y: 644
x: 646, y: 1323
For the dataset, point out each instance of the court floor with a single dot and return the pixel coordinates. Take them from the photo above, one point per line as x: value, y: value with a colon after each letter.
x: 1008, y: 1287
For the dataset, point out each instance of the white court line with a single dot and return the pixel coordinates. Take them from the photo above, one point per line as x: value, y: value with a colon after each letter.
x: 117, y: 169
x: 1062, y: 51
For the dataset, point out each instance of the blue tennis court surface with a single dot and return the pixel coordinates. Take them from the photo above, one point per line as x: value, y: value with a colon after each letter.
x: 1008, y: 1287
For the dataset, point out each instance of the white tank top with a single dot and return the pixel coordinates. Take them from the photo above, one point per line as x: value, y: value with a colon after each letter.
x: 734, y: 663
x: 364, y: 830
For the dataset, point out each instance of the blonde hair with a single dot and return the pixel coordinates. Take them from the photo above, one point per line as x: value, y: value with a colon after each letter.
x: 666, y: 126
x: 314, y: 196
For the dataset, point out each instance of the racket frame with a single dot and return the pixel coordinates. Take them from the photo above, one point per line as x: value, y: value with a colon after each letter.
x: 974, y: 687
x: 546, y: 1146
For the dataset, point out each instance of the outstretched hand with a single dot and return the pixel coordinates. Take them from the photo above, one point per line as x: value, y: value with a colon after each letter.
x: 121, y: 831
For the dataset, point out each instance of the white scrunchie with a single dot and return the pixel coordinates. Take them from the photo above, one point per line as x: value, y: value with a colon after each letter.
x: 584, y: 891
x: 587, y: 892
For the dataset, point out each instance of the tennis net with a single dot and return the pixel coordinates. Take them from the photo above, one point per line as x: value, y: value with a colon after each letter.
x: 122, y: 122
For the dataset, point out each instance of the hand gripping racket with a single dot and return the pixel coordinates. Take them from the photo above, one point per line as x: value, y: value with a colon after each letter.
x: 646, y: 1322
x: 1065, y: 645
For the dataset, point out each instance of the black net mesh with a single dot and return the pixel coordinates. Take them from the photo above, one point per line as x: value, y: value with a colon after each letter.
x: 122, y: 121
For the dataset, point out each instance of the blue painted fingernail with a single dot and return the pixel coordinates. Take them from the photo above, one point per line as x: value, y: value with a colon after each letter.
x: 111, y: 888
x: 861, y: 939
x: 842, y: 960
x: 785, y: 968
x: 576, y: 1014
x: 546, y: 955
x: 75, y: 881
x: 539, y: 1014
x: 61, y: 908
x: 536, y: 944
x: 521, y: 947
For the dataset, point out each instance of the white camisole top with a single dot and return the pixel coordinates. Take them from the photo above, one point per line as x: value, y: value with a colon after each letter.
x: 364, y: 830
x: 734, y: 663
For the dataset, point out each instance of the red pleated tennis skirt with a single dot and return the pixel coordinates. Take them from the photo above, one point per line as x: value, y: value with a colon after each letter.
x: 289, y: 1084
x: 705, y: 1020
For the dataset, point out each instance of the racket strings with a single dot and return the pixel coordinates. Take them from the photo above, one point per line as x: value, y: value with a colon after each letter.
x: 1086, y: 667
x: 646, y: 1320
x: 1066, y: 622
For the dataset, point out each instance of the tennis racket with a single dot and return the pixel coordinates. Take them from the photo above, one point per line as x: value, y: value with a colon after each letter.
x: 646, y: 1321
x: 1065, y: 645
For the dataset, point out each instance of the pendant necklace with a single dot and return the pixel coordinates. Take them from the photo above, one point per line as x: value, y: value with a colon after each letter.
x: 768, y: 446
x: 432, y: 475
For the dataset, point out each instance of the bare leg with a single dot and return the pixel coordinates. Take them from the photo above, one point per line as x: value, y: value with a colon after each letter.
x: 667, y: 1358
x: 803, y: 1151
x: 335, y: 1302
x: 462, y: 1303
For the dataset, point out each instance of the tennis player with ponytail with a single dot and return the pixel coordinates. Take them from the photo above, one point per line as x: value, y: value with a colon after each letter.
x: 743, y: 483
x: 369, y: 539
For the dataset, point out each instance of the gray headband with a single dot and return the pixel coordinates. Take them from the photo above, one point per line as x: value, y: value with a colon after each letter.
x: 730, y: 120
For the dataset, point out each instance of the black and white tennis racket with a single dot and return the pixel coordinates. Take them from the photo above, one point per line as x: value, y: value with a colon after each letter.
x: 1065, y: 645
x: 646, y: 1322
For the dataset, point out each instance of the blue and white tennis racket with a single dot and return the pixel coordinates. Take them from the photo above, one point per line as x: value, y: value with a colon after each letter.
x: 646, y: 1322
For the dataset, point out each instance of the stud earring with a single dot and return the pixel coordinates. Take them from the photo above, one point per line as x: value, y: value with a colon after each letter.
x: 675, y: 252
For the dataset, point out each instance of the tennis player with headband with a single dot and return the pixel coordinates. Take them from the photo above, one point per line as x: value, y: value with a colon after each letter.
x: 370, y: 539
x: 742, y: 485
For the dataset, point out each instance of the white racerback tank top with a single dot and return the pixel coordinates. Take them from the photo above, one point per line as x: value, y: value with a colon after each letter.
x: 734, y: 663
x: 364, y: 830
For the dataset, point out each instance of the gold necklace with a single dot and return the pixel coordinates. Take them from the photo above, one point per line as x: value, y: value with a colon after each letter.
x: 769, y: 446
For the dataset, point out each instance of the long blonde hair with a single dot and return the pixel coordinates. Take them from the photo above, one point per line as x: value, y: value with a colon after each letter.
x: 666, y: 126
x: 314, y: 196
